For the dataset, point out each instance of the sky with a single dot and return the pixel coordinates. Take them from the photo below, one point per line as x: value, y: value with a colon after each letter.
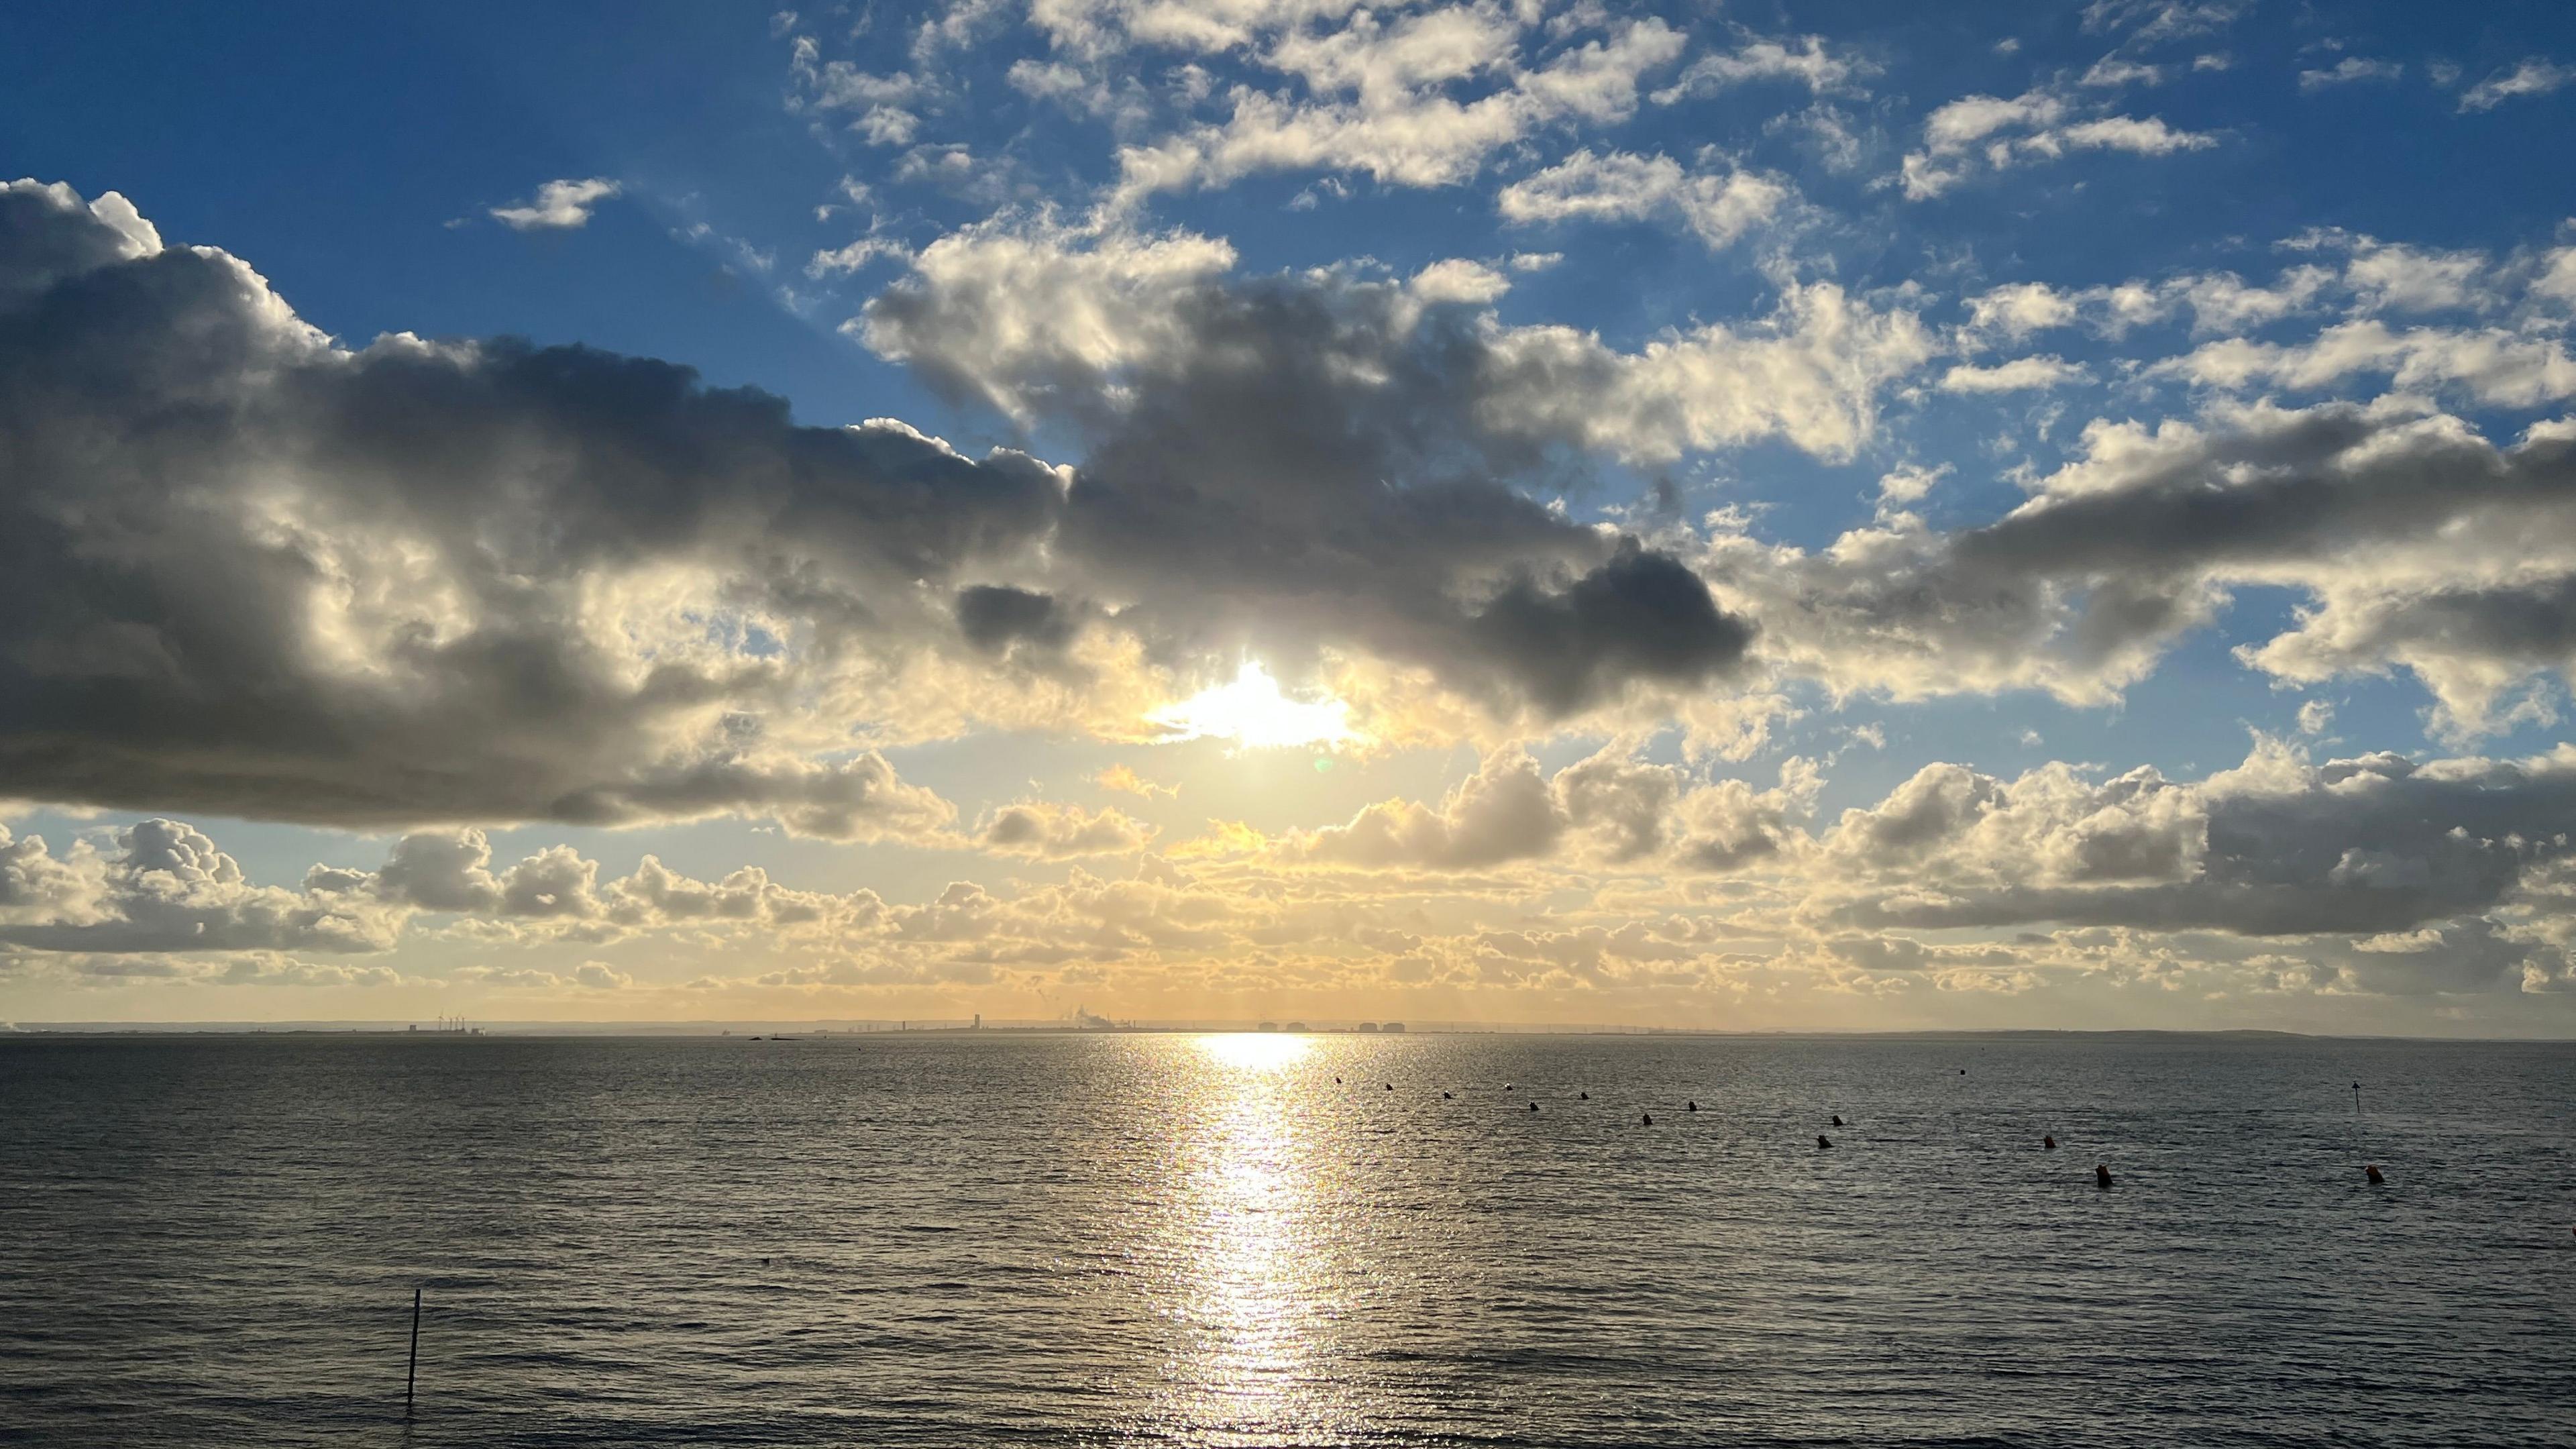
x: 1758, y: 516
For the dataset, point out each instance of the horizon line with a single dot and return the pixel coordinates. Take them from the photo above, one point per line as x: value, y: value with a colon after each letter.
x: 958, y: 1026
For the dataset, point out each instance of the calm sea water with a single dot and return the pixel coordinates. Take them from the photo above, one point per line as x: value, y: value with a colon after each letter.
x: 1183, y: 1240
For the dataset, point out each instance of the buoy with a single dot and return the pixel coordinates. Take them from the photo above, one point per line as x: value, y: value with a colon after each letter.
x: 1336, y: 1079
x: 1444, y: 1096
x: 2372, y: 1173
x: 1533, y: 1106
x: 1583, y: 1096
x: 2101, y: 1175
x: 1963, y: 1071
x: 1390, y: 1086
x: 1822, y: 1140
x: 1693, y: 1107
x: 2048, y: 1142
x: 1649, y: 1118
x: 1838, y: 1119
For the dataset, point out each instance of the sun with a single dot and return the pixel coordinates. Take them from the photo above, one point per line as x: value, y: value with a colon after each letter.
x: 1253, y: 711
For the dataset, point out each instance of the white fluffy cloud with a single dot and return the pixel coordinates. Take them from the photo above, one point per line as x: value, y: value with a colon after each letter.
x: 1720, y: 206
x: 2022, y: 374
x: 1984, y: 134
x: 558, y: 205
x: 1378, y: 97
x: 1808, y: 60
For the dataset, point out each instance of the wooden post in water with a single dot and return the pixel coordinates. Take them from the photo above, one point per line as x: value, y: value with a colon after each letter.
x: 411, y: 1373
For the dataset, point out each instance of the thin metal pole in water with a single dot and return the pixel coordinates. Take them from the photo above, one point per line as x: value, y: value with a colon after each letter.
x: 411, y: 1374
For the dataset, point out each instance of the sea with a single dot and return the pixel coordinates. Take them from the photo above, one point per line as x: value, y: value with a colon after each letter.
x: 1273, y: 1239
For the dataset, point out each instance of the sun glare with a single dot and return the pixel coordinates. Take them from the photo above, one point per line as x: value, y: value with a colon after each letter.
x: 1254, y: 711
x: 1250, y: 1052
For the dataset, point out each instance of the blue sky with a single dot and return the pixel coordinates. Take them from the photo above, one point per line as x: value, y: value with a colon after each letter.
x: 2038, y: 395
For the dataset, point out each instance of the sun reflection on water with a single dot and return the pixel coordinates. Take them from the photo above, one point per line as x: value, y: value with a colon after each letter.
x: 1260, y: 1285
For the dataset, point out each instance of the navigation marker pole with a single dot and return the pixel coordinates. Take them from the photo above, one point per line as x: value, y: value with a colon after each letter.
x: 411, y: 1373
x: 2369, y: 1171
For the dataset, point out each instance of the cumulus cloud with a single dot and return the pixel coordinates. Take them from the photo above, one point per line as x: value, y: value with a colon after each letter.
x: 162, y: 899
x: 165, y: 887
x: 2022, y: 374
x: 2360, y: 279
x: 2216, y: 301
x: 2491, y: 365
x: 250, y: 571
x: 421, y: 582
x: 1984, y: 134
x: 1124, y: 779
x: 1331, y: 460
x: 1806, y: 60
x: 2375, y: 875
x: 418, y: 583
x: 1043, y: 830
x: 2418, y: 543
x: 2388, y: 875
x: 1610, y: 810
x: 2276, y: 847
x: 1383, y: 97
x: 1719, y: 206
x: 558, y: 206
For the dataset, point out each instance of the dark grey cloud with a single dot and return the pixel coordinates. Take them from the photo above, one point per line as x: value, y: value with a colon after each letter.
x: 245, y: 570
x: 1293, y: 463
x: 995, y: 616
x: 1639, y: 615
x: 2356, y: 848
x: 2417, y: 542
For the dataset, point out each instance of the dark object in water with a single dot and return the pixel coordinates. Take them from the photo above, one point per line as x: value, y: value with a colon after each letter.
x: 2372, y: 1175
x: 1649, y: 1118
x: 1963, y: 1071
x: 1838, y: 1119
x: 1444, y: 1096
x: 2048, y: 1142
x: 1337, y: 1079
x: 1390, y: 1086
x: 1691, y: 1107
x: 1533, y: 1106
x: 411, y: 1371
x: 2101, y: 1175
x: 1823, y: 1141
x: 1583, y: 1096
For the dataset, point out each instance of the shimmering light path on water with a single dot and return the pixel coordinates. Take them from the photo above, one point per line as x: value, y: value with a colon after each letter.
x: 1140, y: 1240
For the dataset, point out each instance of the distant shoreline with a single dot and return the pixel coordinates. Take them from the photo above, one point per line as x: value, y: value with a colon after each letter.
x: 839, y: 1031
